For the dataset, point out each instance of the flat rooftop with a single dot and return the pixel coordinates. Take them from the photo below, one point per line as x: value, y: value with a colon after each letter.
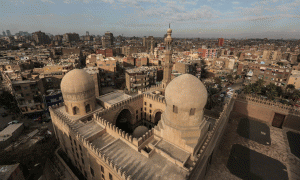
x: 6, y: 170
x: 114, y: 97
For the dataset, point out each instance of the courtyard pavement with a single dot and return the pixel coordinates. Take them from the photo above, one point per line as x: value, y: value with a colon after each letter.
x: 250, y: 157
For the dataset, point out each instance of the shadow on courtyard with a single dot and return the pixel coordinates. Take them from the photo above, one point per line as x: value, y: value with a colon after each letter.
x: 294, y: 142
x: 248, y: 164
x: 255, y: 131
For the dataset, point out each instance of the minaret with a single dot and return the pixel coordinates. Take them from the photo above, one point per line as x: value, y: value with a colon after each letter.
x: 168, y: 59
x: 152, y: 49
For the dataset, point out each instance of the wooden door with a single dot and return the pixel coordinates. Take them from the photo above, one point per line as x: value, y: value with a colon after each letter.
x: 278, y: 120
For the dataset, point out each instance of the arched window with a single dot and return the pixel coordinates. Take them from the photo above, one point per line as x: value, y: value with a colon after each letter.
x: 75, y: 110
x: 87, y: 108
x: 192, y: 111
x: 175, y: 109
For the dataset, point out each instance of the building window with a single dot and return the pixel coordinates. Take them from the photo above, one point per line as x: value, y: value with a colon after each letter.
x: 141, y: 109
x: 150, y: 105
x: 137, y: 111
x: 192, y: 111
x: 103, y: 177
x: 87, y: 108
x: 85, y: 174
x: 175, y: 109
x: 150, y: 111
x: 80, y: 148
x: 141, y: 115
x: 145, y: 103
x: 92, y: 171
x: 77, y: 155
x: 137, y: 117
x: 74, y: 142
x: 110, y: 177
x: 102, y: 169
x: 145, y: 109
x: 75, y: 110
x: 82, y: 161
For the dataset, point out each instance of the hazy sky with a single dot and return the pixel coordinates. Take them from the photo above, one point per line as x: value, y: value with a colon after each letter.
x: 188, y: 18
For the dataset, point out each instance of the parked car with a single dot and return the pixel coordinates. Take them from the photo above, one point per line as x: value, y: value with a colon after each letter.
x: 13, y: 122
x: 4, y: 114
x: 38, y: 119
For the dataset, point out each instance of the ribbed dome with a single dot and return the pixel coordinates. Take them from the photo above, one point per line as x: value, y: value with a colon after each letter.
x: 186, y: 92
x: 139, y: 131
x: 77, y: 81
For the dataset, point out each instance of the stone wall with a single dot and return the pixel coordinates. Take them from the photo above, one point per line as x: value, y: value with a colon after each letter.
x: 264, y: 110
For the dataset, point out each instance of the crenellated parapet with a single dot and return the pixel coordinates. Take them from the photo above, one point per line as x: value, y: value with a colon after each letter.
x: 119, y: 105
x: 109, y: 127
x: 152, y: 88
x: 119, y: 133
x: 271, y: 104
x: 156, y: 98
x: 216, y: 130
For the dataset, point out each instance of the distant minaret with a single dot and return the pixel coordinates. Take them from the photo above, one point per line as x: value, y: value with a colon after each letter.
x: 152, y: 49
x: 168, y: 59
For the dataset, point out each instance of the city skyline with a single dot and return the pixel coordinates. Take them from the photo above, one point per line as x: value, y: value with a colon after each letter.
x: 273, y: 19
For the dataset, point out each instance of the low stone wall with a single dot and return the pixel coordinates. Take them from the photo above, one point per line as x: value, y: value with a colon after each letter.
x: 264, y: 111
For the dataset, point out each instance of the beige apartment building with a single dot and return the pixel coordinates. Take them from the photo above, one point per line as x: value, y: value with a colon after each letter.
x: 141, y: 77
x: 295, y: 79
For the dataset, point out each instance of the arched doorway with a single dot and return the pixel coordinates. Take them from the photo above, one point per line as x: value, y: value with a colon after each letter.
x: 123, y: 121
x: 157, y: 117
x: 75, y: 110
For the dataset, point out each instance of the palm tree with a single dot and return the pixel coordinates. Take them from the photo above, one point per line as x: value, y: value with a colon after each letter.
x: 271, y: 91
x: 248, y: 89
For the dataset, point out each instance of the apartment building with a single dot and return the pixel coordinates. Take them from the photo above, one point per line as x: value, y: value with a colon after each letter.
x: 141, y: 77
x: 270, y: 74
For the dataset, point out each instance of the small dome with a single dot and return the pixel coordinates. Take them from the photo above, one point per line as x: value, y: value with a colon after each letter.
x: 186, y: 92
x: 169, y: 30
x: 77, y: 81
x: 139, y: 131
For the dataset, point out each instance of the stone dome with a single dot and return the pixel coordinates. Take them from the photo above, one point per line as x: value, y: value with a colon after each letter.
x: 169, y: 30
x: 77, y: 81
x: 186, y: 92
x: 139, y: 131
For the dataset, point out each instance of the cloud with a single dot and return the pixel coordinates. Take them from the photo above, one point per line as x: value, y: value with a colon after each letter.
x: 48, y: 1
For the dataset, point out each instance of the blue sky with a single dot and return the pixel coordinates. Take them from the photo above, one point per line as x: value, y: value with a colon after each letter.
x: 188, y: 18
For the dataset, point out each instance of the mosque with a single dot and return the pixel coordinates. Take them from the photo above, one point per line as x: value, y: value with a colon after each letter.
x: 160, y: 133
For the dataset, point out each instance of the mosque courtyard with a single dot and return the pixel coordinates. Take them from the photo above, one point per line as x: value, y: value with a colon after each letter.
x: 252, y: 150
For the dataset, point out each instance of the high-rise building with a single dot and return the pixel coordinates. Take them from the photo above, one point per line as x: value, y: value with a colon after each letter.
x: 87, y: 33
x: 107, y: 40
x: 8, y: 33
x: 40, y: 38
x: 3, y: 33
x: 221, y: 42
x: 69, y: 37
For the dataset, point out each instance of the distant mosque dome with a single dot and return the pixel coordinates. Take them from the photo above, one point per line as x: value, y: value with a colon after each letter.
x: 139, y: 131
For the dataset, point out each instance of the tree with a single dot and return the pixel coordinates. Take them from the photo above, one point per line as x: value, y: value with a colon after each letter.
x: 230, y: 78
x: 290, y: 87
x: 271, y: 91
x: 295, y: 96
x: 248, y: 89
x: 217, y: 80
